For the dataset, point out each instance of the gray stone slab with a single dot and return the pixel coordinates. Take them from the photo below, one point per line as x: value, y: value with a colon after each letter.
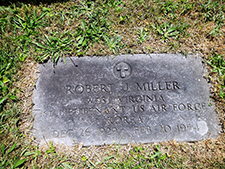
x: 126, y: 99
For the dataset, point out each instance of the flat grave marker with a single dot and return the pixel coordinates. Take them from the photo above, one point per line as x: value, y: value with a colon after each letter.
x: 123, y: 99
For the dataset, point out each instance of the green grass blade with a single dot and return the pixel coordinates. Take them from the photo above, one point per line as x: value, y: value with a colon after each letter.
x: 19, y: 162
x: 65, y: 165
x: 4, y: 98
x: 49, y: 41
x: 12, y: 148
x: 3, y: 149
x: 40, y: 45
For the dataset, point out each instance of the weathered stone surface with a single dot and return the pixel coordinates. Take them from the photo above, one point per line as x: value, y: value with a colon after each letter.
x: 130, y: 98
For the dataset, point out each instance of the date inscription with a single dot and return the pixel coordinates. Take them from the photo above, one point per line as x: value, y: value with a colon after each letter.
x: 136, y: 130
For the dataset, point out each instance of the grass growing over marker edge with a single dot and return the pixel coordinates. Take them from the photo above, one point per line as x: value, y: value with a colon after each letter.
x: 36, y: 33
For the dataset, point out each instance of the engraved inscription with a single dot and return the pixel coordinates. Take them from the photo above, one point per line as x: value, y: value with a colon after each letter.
x: 142, y: 130
x: 108, y: 130
x: 153, y: 86
x: 189, y: 106
x: 135, y: 98
x: 88, y: 88
x: 125, y: 99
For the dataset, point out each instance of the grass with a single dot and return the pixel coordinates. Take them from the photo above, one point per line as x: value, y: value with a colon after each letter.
x: 54, y: 46
x: 138, y: 158
x: 217, y: 62
x: 31, y: 33
x: 168, y: 30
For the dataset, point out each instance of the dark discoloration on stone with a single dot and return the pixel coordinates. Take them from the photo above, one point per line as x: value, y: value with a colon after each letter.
x: 130, y: 98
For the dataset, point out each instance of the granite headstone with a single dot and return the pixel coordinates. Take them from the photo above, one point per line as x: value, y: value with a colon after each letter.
x: 129, y: 98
